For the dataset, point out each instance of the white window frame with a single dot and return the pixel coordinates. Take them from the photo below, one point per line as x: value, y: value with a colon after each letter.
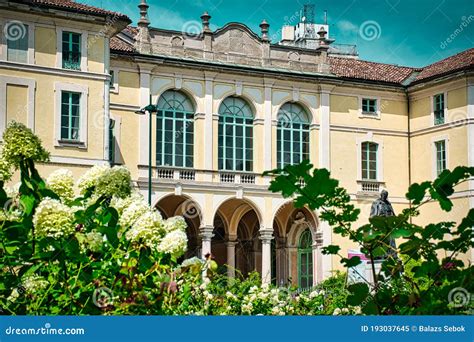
x: 380, y: 174
x: 59, y: 43
x: 376, y: 115
x: 31, y: 42
x: 84, y: 91
x: 115, y: 88
x: 434, y: 140
x: 445, y: 93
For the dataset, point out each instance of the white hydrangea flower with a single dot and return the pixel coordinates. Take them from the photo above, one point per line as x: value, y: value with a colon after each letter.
x: 14, y: 295
x: 34, y: 284
x: 120, y: 204
x: 115, y: 181
x: 132, y: 212
x: 92, y: 241
x: 61, y: 182
x: 90, y: 178
x: 174, y: 243
x: 53, y: 219
x: 13, y: 191
x: 147, y: 229
x: 175, y: 223
x: 6, y: 171
x: 336, y: 312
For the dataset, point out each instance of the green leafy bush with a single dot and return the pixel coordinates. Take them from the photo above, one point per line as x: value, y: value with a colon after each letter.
x: 425, y: 274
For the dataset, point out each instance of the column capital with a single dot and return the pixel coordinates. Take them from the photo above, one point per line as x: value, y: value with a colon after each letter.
x: 206, y: 233
x: 266, y: 235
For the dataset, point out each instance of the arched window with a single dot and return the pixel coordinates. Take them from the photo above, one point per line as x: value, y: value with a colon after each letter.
x: 305, y: 260
x: 369, y: 160
x: 292, y: 135
x: 235, y: 135
x: 174, y: 130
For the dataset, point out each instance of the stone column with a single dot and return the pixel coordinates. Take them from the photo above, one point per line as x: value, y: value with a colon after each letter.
x: 266, y: 235
x: 206, y: 237
x: 282, y: 261
x: 231, y: 256
x: 317, y: 258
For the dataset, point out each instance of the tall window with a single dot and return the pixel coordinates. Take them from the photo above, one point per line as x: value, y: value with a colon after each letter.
x: 175, y: 130
x: 71, y: 50
x: 305, y: 260
x: 235, y: 135
x: 438, y: 109
x: 70, y: 116
x: 17, y: 42
x: 369, y: 160
x: 440, y: 156
x: 292, y: 135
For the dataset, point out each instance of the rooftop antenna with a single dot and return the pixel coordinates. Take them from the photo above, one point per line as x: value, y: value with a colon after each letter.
x: 325, y: 17
x: 308, y: 13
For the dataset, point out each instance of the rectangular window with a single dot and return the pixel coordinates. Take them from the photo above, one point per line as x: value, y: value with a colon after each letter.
x: 70, y: 116
x: 440, y: 156
x: 369, y: 161
x: 17, y: 42
x: 112, y: 80
x: 369, y: 106
x: 71, y: 50
x: 438, y: 109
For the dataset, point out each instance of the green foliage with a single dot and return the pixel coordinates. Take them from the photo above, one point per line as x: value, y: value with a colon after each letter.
x: 419, y: 276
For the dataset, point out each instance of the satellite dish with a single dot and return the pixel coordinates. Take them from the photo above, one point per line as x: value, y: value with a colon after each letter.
x: 303, y: 19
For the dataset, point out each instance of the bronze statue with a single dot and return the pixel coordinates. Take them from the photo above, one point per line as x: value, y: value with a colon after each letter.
x: 383, y: 207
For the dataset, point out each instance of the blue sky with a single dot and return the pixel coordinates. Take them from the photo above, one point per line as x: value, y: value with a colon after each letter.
x: 405, y: 32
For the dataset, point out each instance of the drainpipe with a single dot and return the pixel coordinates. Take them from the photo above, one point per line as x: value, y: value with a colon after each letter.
x: 409, y: 144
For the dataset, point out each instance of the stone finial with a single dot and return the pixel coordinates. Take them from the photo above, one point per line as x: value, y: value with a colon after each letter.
x: 264, y: 27
x: 205, y: 18
x: 322, y: 35
x: 143, y: 21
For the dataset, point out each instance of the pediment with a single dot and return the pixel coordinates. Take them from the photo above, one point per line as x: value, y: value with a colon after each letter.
x: 237, y: 38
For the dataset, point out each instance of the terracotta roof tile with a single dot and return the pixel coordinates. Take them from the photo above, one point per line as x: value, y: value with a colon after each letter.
x: 77, y: 7
x: 355, y: 68
x: 457, y: 62
x: 118, y: 45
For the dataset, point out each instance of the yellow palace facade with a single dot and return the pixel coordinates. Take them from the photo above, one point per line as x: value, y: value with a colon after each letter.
x: 230, y: 105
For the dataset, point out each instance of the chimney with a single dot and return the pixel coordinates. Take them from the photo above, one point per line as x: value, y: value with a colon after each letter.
x: 143, y: 39
x: 323, y: 42
x: 264, y: 27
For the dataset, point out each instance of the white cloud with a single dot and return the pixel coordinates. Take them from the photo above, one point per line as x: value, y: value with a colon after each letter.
x: 345, y: 26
